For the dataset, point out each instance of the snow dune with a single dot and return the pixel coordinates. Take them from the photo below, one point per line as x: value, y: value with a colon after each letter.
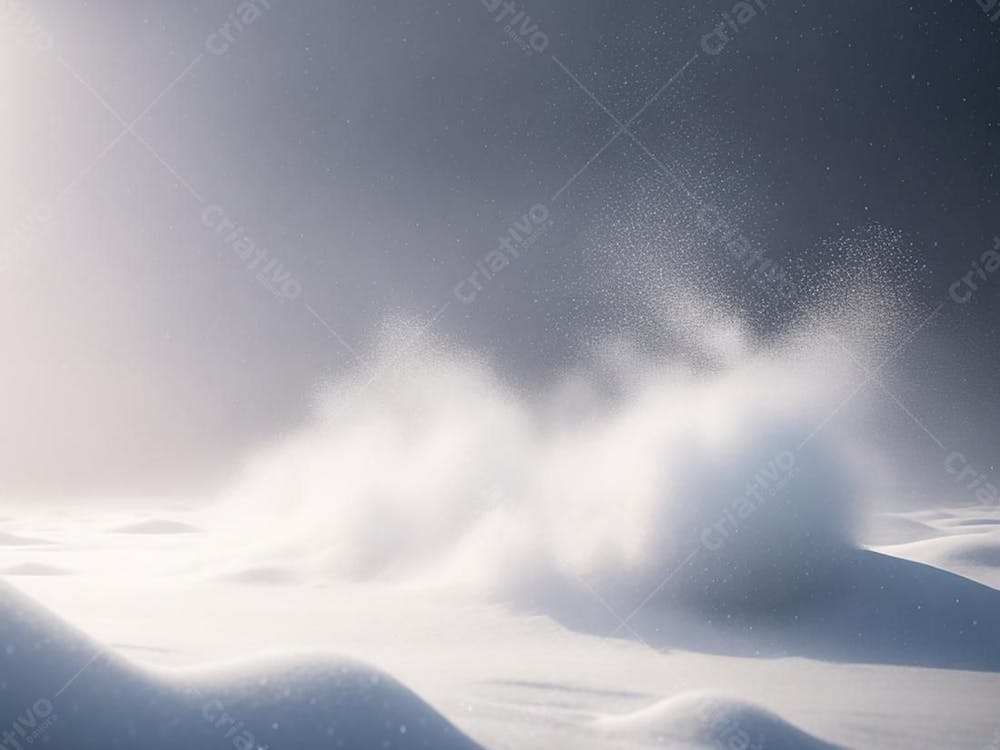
x: 974, y: 554
x: 61, y: 690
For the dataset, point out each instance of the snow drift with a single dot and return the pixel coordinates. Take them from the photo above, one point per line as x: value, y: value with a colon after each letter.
x: 60, y: 690
x: 703, y: 720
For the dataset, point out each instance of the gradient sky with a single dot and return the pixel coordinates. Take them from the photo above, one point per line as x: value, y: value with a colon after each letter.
x: 377, y: 150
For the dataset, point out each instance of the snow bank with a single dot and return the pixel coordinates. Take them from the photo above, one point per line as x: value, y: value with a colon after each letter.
x: 63, y: 691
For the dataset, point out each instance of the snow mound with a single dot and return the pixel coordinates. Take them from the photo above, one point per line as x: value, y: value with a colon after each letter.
x: 64, y: 691
x: 703, y: 720
x: 15, y: 540
x: 157, y: 526
x: 882, y: 609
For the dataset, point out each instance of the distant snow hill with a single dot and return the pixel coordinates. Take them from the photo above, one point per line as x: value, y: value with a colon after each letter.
x: 60, y: 690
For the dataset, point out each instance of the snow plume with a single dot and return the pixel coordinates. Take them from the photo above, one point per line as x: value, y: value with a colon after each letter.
x: 437, y: 472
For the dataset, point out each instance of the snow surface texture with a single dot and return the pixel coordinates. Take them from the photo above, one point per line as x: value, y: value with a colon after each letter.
x: 60, y: 690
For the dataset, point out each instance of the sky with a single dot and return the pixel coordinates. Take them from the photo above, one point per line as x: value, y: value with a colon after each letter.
x: 367, y: 159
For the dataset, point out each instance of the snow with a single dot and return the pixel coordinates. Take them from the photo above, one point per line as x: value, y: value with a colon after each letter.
x: 704, y: 720
x: 890, y: 662
x: 64, y: 691
x: 566, y: 569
